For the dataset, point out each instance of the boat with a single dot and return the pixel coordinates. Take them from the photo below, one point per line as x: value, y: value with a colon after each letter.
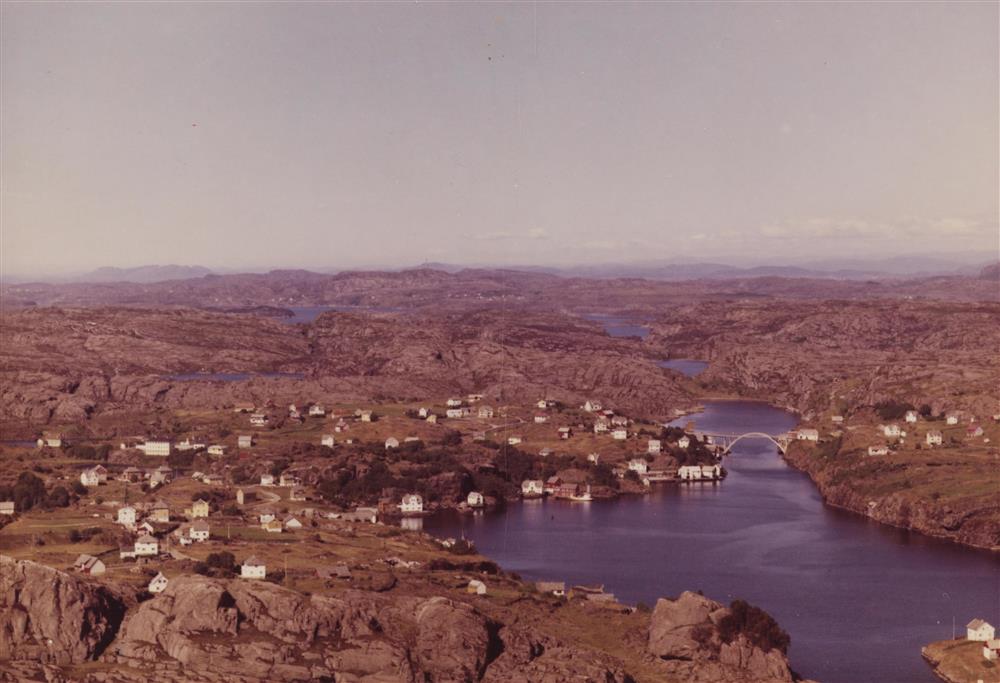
x: 584, y: 497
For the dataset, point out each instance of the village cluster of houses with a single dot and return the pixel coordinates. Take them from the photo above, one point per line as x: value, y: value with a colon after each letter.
x: 98, y: 474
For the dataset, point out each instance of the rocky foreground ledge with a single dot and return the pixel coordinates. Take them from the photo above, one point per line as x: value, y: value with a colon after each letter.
x: 57, y: 627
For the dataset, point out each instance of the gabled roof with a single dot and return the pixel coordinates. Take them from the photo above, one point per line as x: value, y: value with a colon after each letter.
x: 977, y: 624
x: 252, y: 561
x: 146, y: 538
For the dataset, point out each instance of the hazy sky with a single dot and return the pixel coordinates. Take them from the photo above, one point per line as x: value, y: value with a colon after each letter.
x: 339, y: 135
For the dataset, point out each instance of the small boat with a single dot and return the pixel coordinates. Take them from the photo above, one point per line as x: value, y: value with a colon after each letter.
x: 584, y: 497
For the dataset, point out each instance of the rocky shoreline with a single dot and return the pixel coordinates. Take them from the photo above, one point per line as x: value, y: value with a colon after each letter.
x: 925, y: 517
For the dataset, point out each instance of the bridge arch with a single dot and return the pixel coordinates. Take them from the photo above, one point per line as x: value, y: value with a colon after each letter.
x: 781, y: 442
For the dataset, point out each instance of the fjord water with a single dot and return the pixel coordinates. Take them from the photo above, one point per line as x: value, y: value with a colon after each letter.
x: 859, y: 599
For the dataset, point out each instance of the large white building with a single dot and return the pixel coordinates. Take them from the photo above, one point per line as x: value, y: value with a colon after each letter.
x: 934, y: 438
x: 807, y: 435
x: 475, y: 499
x: 160, y: 448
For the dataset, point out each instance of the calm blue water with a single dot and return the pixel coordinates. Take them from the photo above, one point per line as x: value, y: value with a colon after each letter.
x: 231, y: 376
x: 617, y: 326
x: 684, y: 366
x: 859, y: 599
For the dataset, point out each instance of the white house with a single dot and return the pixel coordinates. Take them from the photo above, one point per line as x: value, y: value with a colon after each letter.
x: 146, y: 546
x: 475, y: 499
x: 366, y: 416
x: 200, y: 531
x: 591, y: 406
x: 911, y: 416
x: 837, y: 419
x: 951, y: 418
x: 689, y: 472
x: 980, y: 630
x: 7, y: 507
x: 683, y: 442
x: 88, y: 564
x: 878, y: 450
x: 188, y: 445
x: 934, y: 438
x: 638, y: 465
x: 541, y: 418
x: 245, y: 441
x: 266, y: 516
x: 391, y: 442
x: 161, y: 448
x: 654, y: 446
x: 326, y: 440
x: 594, y: 458
x: 267, y: 480
x: 423, y: 412
x: 432, y: 419
x: 252, y: 568
x: 453, y: 402
x: 476, y: 587
x: 891, y: 430
x: 619, y: 434
x: 316, y: 410
x: 807, y: 435
x: 216, y: 449
x: 258, y: 419
x: 126, y: 515
x: 513, y: 440
x: 454, y: 413
x: 158, y: 584
x: 291, y: 522
x: 412, y: 503
x: 289, y: 479
x: 94, y: 476
x: 600, y: 425
x: 545, y: 452
x: 565, y: 432
x: 485, y: 412
x: 532, y: 488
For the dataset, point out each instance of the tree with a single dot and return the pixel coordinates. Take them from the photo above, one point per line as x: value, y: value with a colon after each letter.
x: 28, y: 492
x: 756, y: 625
x: 58, y: 497
x: 224, y: 560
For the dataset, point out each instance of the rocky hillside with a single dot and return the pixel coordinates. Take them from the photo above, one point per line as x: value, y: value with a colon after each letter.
x: 61, y: 366
x: 56, y: 627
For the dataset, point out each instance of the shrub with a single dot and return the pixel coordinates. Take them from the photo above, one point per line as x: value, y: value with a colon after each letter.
x: 224, y: 560
x: 756, y: 625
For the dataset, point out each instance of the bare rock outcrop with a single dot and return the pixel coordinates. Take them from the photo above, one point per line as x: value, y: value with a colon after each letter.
x: 52, y: 617
x: 696, y: 636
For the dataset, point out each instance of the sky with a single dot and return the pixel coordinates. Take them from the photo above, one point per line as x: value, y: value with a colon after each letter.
x: 247, y: 135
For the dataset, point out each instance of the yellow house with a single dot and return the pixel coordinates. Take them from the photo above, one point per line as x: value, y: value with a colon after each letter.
x: 199, y: 508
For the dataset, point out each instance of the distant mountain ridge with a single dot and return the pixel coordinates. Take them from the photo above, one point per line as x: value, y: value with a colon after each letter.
x: 143, y: 274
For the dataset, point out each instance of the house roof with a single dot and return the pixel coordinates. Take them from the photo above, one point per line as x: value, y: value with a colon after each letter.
x: 977, y: 623
x: 252, y: 561
x: 200, y: 525
x: 146, y: 538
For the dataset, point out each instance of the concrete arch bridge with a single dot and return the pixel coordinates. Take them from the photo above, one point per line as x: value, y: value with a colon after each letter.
x: 725, y: 442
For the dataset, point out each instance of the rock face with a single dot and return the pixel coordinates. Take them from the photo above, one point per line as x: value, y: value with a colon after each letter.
x: 686, y: 633
x: 52, y: 617
x: 205, y: 629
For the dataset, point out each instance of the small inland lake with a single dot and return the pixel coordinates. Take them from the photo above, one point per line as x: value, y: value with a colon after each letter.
x: 859, y: 599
